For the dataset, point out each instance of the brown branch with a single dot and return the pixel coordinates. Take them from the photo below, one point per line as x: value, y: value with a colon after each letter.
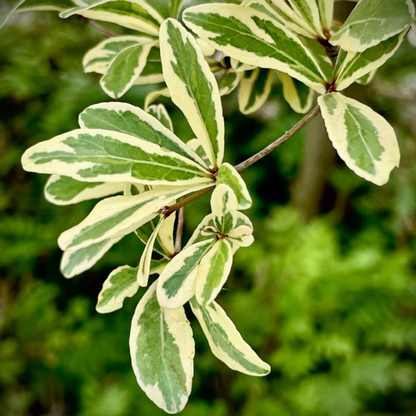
x: 253, y: 159
x: 179, y: 229
x: 100, y: 28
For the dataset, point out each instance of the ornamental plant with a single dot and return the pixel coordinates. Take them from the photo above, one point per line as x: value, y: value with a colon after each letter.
x: 195, y: 55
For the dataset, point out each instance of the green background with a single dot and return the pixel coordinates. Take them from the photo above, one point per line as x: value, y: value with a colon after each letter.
x: 326, y: 294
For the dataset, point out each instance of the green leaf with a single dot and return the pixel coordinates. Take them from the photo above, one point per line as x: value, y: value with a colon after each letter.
x: 229, y: 81
x: 61, y: 190
x: 229, y: 176
x: 118, y: 216
x: 100, y: 155
x: 363, y: 139
x: 226, y: 342
x: 152, y: 72
x: 213, y: 271
x: 255, y: 87
x: 145, y: 232
x: 177, y: 281
x: 193, y: 87
x: 120, y: 284
x: 125, y: 68
x: 373, y: 21
x: 6, y: 10
x: 196, y: 146
x: 224, y: 206
x: 254, y: 38
x: 128, y: 119
x: 133, y: 14
x: 78, y: 260
x: 367, y: 78
x: 159, y: 112
x: 296, y: 93
x: 351, y: 66
x: 308, y: 10
x: 162, y: 351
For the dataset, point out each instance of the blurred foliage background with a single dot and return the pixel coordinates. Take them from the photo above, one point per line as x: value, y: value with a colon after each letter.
x: 326, y: 295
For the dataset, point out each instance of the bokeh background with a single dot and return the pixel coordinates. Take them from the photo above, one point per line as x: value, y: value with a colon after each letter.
x: 326, y: 295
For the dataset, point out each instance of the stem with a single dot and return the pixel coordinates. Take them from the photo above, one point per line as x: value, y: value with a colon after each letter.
x: 100, y: 28
x: 253, y: 159
x: 179, y: 229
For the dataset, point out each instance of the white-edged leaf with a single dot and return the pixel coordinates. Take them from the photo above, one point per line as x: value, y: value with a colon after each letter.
x: 177, y: 281
x: 143, y: 270
x: 119, y: 285
x: 205, y: 231
x: 255, y: 38
x: 229, y: 176
x: 162, y: 351
x: 154, y: 95
x: 367, y: 78
x: 363, y: 139
x: 255, y: 87
x: 326, y: 11
x: 229, y: 81
x: 224, y: 205
x: 242, y: 234
x: 165, y: 235
x: 133, y: 14
x: 196, y: 146
x: 193, y: 87
x: 308, y: 11
x: 61, y: 190
x: 128, y: 119
x: 78, y: 260
x: 118, y: 216
x: 96, y: 155
x: 213, y: 271
x: 373, y: 21
x: 124, y: 69
x: 351, y: 66
x: 158, y: 111
x: 297, y: 94
x: 152, y: 71
x: 226, y: 342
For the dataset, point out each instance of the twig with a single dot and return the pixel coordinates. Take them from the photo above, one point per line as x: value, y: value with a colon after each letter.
x: 100, y: 28
x: 179, y: 229
x: 253, y: 159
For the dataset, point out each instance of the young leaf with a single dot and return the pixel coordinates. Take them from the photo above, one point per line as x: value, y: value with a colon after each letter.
x: 226, y: 342
x: 326, y: 11
x: 125, y: 68
x: 119, y: 285
x: 308, y: 10
x: 224, y: 206
x: 159, y: 113
x: 229, y: 81
x: 177, y: 281
x: 133, y: 14
x: 229, y: 176
x: 162, y: 351
x: 128, y: 119
x: 351, y: 66
x: 154, y: 95
x: 78, y: 260
x: 61, y: 190
x: 205, y: 231
x: 242, y: 234
x: 296, y: 93
x: 213, y: 271
x: 363, y: 139
x: 165, y: 235
x: 255, y: 87
x: 118, y: 216
x: 193, y: 87
x: 95, y: 155
x: 373, y: 21
x: 254, y: 38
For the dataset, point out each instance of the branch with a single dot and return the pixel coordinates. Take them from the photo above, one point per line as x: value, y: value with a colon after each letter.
x: 97, y: 26
x: 179, y: 229
x: 253, y: 159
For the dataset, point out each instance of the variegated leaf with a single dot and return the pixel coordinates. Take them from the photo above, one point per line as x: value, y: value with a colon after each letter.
x: 95, y: 155
x: 229, y: 176
x: 119, y: 285
x: 229, y: 81
x: 98, y: 59
x: 125, y: 68
x: 193, y: 87
x: 226, y: 342
x: 128, y: 119
x: 118, y: 216
x: 162, y: 351
x: 326, y: 11
x: 367, y: 78
x: 165, y: 235
x: 61, y: 190
x: 308, y: 10
x: 133, y: 14
x: 143, y: 269
x: 255, y: 38
x: 152, y: 71
x: 224, y: 205
x: 351, y: 66
x: 196, y: 146
x: 373, y: 21
x: 242, y: 234
x: 52, y: 5
x: 154, y: 95
x: 362, y: 138
x: 255, y: 87
x: 177, y: 281
x: 159, y: 113
x: 296, y: 93
x: 213, y: 271
x: 146, y: 231
x: 78, y: 260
